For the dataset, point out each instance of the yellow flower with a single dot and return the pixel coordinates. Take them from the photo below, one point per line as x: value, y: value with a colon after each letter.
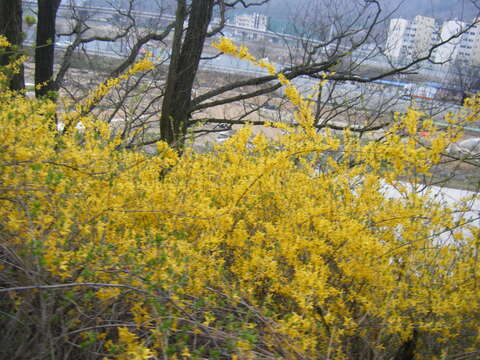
x: 3, y: 41
x: 226, y: 46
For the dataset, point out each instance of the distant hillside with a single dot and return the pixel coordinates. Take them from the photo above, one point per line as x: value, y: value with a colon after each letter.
x: 440, y: 9
x: 288, y: 9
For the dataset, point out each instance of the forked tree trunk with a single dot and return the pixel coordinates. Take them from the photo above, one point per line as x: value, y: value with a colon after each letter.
x: 11, y: 28
x: 183, y: 69
x: 45, y: 46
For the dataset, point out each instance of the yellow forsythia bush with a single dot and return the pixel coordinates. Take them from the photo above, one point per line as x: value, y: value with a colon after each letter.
x: 290, y: 248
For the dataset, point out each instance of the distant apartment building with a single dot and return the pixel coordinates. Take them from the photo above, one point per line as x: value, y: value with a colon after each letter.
x: 411, y: 38
x: 464, y: 48
x: 253, y: 21
x: 450, y: 50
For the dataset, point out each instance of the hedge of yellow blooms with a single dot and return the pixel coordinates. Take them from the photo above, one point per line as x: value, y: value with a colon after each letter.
x: 261, y: 248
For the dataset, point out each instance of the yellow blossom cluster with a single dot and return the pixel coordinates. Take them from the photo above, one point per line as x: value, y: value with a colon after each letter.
x: 11, y: 68
x: 303, y: 115
x: 291, y: 248
x: 71, y: 119
x: 3, y: 42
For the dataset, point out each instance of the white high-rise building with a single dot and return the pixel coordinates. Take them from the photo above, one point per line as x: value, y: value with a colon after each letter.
x: 410, y: 38
x: 458, y: 47
x: 397, y: 38
x: 462, y: 49
x: 468, y: 49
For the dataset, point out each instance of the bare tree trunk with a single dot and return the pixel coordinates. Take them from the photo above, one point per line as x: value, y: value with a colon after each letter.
x: 45, y: 46
x: 183, y: 69
x: 11, y: 28
x: 407, y: 349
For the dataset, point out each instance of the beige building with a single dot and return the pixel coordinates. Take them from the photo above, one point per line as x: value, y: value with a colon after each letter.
x: 253, y: 21
x: 250, y: 26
